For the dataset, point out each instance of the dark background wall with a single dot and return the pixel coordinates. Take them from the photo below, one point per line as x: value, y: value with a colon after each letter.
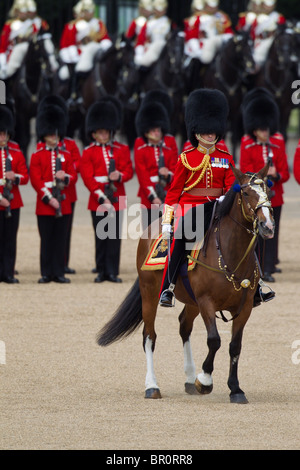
x: 59, y: 12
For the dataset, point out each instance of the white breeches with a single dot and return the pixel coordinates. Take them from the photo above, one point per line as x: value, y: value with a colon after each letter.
x: 146, y: 56
x: 261, y: 49
x: 203, y: 50
x: 88, y: 53
x: 16, y: 58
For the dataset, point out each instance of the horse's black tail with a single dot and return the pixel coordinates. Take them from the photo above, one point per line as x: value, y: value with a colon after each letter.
x: 125, y: 320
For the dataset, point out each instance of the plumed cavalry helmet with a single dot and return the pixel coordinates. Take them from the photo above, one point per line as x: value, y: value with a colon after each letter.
x: 161, y: 97
x: 260, y: 111
x: 205, y: 113
x: 151, y: 115
x: 101, y: 115
x: 160, y: 5
x: 146, y: 4
x: 7, y: 121
x: 51, y: 120
x: 197, y: 5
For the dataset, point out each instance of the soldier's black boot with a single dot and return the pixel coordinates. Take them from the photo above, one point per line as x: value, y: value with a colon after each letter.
x: 261, y: 296
x: 167, y: 297
x: 77, y: 80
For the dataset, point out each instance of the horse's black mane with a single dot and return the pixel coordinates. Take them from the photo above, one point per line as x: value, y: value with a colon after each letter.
x: 225, y: 206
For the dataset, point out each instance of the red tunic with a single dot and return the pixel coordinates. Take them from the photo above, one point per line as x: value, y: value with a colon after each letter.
x: 296, y: 165
x: 70, y: 32
x: 253, y: 158
x: 71, y: 146
x: 94, y: 166
x: 18, y: 164
x: 186, y: 178
x: 146, y: 159
x: 42, y: 171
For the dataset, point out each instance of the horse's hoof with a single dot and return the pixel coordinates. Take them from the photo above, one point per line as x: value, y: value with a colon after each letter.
x: 152, y: 393
x: 190, y: 389
x: 203, y: 389
x: 239, y: 398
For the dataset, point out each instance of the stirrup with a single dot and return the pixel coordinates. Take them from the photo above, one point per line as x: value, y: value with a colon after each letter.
x: 167, y: 298
x: 263, y: 296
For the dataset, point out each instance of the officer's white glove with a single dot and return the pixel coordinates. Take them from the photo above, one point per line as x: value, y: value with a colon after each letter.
x: 166, y: 230
x: 220, y: 199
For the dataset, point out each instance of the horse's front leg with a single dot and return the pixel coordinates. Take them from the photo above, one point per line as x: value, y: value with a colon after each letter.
x: 236, y: 394
x: 186, y: 320
x: 204, y: 381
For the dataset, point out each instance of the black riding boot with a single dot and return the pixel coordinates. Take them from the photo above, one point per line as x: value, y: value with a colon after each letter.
x: 167, y: 298
x: 77, y: 80
x: 261, y: 296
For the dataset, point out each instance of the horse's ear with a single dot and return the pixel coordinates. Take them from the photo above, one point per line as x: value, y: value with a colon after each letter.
x: 264, y: 171
x: 237, y: 173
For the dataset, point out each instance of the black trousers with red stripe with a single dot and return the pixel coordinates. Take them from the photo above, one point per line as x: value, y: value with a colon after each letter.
x: 53, y: 234
x: 8, y: 242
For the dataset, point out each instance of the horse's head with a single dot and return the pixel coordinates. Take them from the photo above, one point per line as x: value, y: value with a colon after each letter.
x: 254, y: 200
x: 242, y: 46
x: 284, y: 48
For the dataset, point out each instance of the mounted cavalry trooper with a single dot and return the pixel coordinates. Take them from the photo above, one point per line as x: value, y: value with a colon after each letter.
x: 81, y: 40
x: 105, y: 167
x: 13, y: 172
x: 264, y: 29
x: 153, y: 36
x: 145, y: 11
x: 248, y: 17
x: 202, y: 175
x: 51, y: 172
x: 14, y: 39
x: 206, y: 30
x: 263, y: 143
x: 155, y: 153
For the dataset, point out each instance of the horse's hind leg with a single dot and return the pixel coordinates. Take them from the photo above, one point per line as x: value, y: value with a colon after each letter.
x: 186, y: 320
x: 236, y: 394
x: 149, y: 339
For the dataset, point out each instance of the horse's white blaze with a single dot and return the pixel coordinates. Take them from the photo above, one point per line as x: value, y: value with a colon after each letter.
x: 189, y: 366
x: 267, y: 215
x: 150, y: 381
x: 205, y: 379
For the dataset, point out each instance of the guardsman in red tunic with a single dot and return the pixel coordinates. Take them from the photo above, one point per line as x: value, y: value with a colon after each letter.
x: 51, y: 171
x: 70, y: 145
x: 105, y: 167
x: 202, y: 175
x: 155, y: 153
x: 261, y: 144
x: 13, y: 172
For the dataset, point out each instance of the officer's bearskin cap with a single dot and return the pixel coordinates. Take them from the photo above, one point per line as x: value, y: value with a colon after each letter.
x: 260, y: 111
x: 159, y: 96
x: 101, y: 115
x: 152, y: 115
x: 51, y: 120
x: 55, y: 100
x: 7, y: 121
x: 205, y: 113
x: 117, y: 103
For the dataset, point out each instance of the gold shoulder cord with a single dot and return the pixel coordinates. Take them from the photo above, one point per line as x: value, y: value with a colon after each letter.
x: 204, y: 165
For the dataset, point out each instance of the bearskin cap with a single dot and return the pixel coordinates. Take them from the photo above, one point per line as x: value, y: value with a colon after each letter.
x: 101, y: 115
x: 7, y: 121
x: 51, y: 120
x: 206, y: 112
x: 260, y: 111
x: 117, y: 103
x: 152, y: 115
x: 159, y: 96
x: 55, y: 100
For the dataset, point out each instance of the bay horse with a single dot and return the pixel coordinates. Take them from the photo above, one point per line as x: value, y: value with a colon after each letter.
x: 225, y: 278
x: 229, y: 72
x: 280, y: 70
x: 29, y: 85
